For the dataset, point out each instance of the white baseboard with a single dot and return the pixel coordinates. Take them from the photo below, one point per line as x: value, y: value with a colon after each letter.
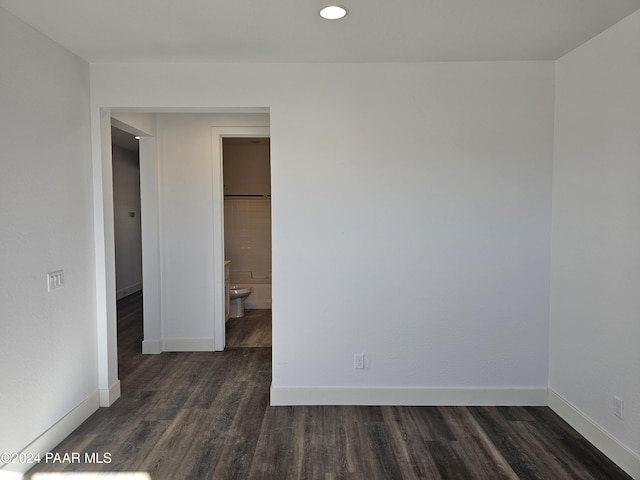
x: 151, y: 347
x: 53, y: 436
x: 188, y: 345
x: 154, y: 347
x: 594, y: 433
x: 110, y: 395
x: 128, y: 291
x: 414, y: 396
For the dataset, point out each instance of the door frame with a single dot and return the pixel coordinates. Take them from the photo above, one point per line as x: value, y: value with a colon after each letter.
x: 217, y: 134
x: 104, y: 253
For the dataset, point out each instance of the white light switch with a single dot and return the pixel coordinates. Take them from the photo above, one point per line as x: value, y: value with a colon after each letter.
x: 55, y: 280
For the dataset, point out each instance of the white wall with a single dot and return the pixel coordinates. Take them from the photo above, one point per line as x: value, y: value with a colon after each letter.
x: 144, y: 125
x: 430, y: 248
x: 187, y: 186
x: 48, y: 359
x: 128, y: 238
x: 438, y: 180
x: 595, y: 319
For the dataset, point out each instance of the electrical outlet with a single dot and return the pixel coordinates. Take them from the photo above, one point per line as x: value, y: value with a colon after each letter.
x: 55, y: 280
x: 618, y: 406
x: 358, y: 360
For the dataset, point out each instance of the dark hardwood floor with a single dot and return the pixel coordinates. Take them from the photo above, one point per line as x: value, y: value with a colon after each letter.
x: 207, y: 416
x: 252, y: 330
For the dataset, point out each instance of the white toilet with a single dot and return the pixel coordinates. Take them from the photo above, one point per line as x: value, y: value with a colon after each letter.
x: 237, y: 296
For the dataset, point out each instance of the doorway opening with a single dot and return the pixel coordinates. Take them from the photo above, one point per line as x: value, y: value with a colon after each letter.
x: 158, y: 294
x: 247, y: 241
x: 125, y: 163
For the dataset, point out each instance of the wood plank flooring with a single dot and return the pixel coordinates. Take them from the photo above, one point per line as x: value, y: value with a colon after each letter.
x: 252, y: 330
x: 206, y: 415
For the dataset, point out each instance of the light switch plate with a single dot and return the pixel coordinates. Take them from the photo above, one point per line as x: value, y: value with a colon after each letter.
x: 55, y: 280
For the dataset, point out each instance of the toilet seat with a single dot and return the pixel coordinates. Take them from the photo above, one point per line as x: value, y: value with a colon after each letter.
x: 239, y: 291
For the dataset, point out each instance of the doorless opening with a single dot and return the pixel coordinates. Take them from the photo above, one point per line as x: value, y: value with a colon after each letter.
x: 247, y: 240
x: 219, y: 136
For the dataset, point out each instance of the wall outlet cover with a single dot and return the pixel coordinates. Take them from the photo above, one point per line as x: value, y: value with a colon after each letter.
x: 618, y: 406
x: 358, y: 360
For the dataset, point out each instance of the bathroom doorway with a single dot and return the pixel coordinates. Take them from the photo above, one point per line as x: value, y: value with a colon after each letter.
x: 246, y: 167
x: 247, y: 239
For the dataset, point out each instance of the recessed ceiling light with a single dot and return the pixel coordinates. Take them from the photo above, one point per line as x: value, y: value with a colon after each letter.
x: 137, y: 137
x: 333, y: 12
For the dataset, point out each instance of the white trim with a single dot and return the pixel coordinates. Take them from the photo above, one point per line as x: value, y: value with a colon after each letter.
x: 217, y: 134
x: 104, y: 253
x: 154, y: 347
x: 416, y: 396
x: 110, y: 395
x: 54, y: 435
x: 620, y: 454
x: 151, y: 347
x: 188, y: 345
